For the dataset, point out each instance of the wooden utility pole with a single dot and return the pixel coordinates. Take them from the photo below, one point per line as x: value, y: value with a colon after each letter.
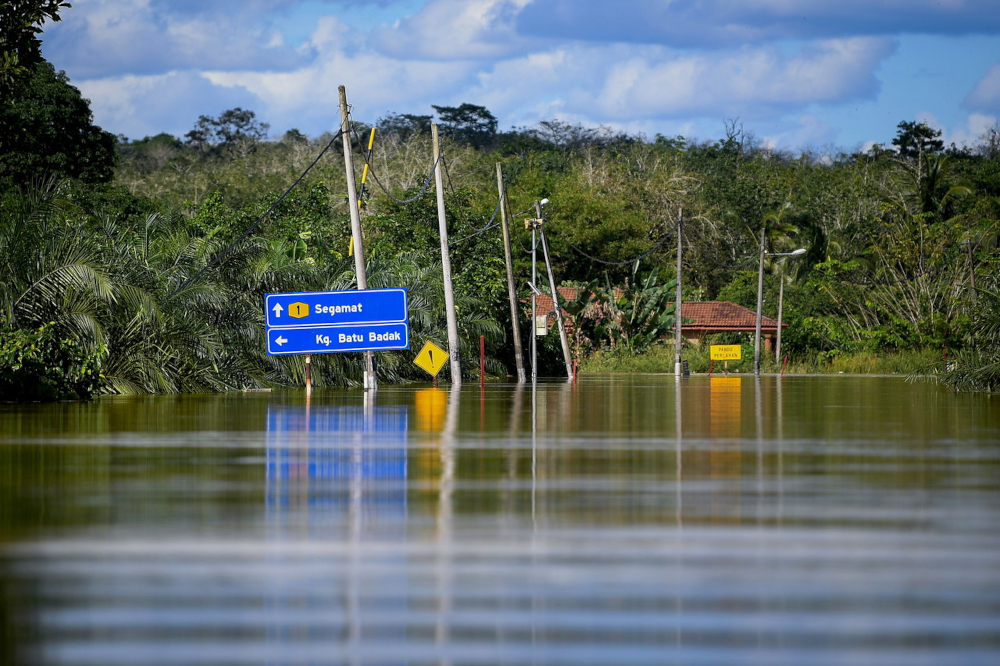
x: 370, y: 381
x: 567, y: 357
x: 449, y: 293
x: 511, y: 289
x: 678, y: 363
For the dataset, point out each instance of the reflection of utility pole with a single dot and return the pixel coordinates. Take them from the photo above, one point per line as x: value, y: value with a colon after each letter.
x: 370, y: 381
x: 511, y: 289
x: 567, y: 357
x: 449, y: 293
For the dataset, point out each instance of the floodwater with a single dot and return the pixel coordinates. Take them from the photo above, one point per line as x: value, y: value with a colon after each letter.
x: 626, y: 519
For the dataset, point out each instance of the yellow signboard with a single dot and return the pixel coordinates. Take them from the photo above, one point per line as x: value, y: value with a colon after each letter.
x: 431, y: 358
x: 726, y: 352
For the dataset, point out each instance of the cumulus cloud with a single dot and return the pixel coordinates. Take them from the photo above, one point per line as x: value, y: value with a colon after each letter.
x: 139, y: 106
x: 749, y: 82
x: 639, y: 65
x: 968, y: 133
x: 985, y: 96
x: 455, y: 29
x: 113, y: 38
x: 725, y: 23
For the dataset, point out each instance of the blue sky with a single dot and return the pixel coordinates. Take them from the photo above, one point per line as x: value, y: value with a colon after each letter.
x: 799, y: 74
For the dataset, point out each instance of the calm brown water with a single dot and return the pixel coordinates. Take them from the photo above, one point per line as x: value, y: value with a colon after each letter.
x: 623, y: 520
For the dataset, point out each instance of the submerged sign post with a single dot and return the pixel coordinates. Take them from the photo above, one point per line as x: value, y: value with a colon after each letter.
x: 725, y: 353
x: 317, y: 322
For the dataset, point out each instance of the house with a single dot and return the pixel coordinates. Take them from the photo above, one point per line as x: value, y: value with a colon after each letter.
x: 700, y: 318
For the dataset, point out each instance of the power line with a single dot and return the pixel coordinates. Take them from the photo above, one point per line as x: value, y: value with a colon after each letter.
x: 219, y: 257
x: 642, y: 256
x: 419, y: 194
x: 489, y: 225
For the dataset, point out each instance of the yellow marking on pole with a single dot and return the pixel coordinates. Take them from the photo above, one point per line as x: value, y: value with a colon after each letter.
x: 726, y: 352
x: 350, y: 247
x: 364, y: 175
x: 431, y: 358
x: 371, y: 140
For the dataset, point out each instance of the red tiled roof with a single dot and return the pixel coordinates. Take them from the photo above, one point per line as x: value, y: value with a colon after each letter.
x: 718, y: 316
x: 706, y: 316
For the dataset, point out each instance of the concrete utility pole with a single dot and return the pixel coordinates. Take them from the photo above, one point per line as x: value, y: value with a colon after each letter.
x: 511, y: 289
x: 567, y: 357
x: 534, y: 223
x: 449, y: 293
x: 760, y: 301
x: 370, y: 380
x: 678, y: 363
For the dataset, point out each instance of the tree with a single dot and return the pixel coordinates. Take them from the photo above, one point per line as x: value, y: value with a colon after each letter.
x: 915, y: 139
x: 235, y: 131
x: 468, y: 123
x: 404, y: 125
x: 48, y: 129
x: 20, y: 48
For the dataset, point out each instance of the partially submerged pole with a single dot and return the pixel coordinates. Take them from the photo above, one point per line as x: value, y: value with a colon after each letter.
x: 449, y: 293
x: 370, y: 381
x: 511, y: 289
x: 678, y: 364
x: 567, y: 357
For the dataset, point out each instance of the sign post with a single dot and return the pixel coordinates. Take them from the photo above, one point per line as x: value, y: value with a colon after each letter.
x: 725, y: 353
x: 319, y: 322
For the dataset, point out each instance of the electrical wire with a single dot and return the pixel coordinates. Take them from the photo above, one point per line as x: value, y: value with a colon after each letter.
x: 419, y: 194
x: 489, y: 225
x: 642, y: 256
x: 219, y: 257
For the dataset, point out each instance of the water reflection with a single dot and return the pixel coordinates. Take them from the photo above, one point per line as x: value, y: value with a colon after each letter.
x: 623, y: 519
x: 349, y: 461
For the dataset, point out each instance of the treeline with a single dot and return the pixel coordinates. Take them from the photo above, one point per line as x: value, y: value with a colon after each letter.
x: 140, y: 265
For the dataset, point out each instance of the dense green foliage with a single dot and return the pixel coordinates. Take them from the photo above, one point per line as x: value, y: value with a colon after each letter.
x: 161, y: 273
x: 41, y: 365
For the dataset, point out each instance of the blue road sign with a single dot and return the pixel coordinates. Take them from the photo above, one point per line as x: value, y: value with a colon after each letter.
x: 322, y: 339
x: 335, y: 308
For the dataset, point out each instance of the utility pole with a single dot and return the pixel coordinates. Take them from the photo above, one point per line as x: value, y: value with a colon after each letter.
x: 760, y: 301
x: 678, y: 364
x: 567, y: 357
x: 511, y: 289
x: 534, y: 223
x: 449, y: 293
x: 370, y: 380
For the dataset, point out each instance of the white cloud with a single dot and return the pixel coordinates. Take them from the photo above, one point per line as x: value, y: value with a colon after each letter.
x: 966, y: 134
x: 454, y: 30
x: 727, y: 23
x: 748, y: 82
x: 808, y: 130
x: 113, y: 38
x: 985, y: 96
x: 145, y: 105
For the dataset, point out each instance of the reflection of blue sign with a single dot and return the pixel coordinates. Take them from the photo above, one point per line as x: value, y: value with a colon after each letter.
x: 321, y: 339
x: 328, y: 457
x: 336, y: 308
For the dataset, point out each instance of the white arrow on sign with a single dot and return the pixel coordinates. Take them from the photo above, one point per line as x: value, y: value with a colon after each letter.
x: 280, y: 340
x: 278, y: 310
